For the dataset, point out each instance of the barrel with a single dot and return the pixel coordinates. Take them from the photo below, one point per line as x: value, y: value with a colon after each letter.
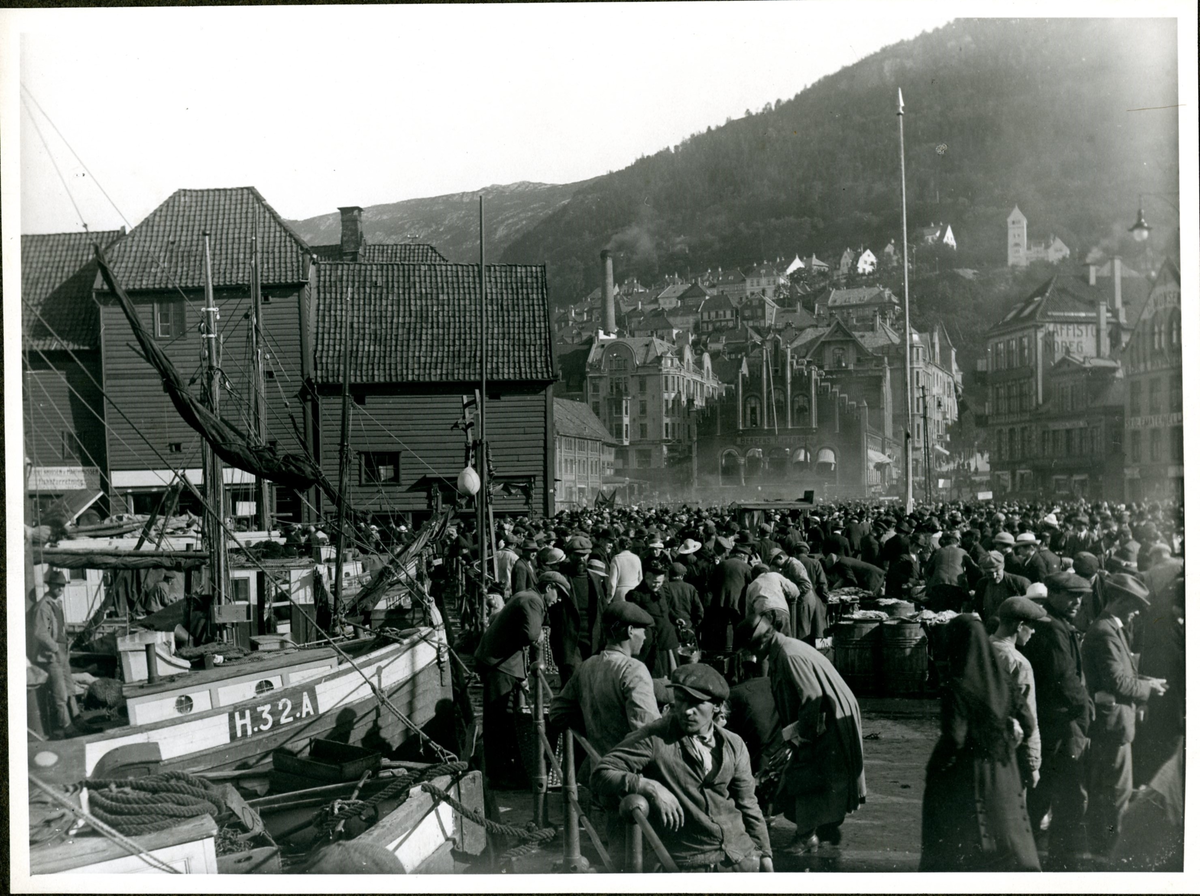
x: 856, y: 656
x: 904, y: 658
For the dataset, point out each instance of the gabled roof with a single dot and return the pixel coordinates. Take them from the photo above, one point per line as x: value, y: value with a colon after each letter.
x: 655, y: 321
x: 575, y: 419
x: 645, y: 348
x: 58, y: 271
x: 166, y: 250
x: 798, y: 317
x: 420, y: 323
x: 719, y: 302
x: 838, y: 330
x: 883, y: 338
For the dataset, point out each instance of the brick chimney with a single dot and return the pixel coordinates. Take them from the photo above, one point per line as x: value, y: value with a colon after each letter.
x: 610, y: 304
x: 352, y: 237
x: 1101, y: 328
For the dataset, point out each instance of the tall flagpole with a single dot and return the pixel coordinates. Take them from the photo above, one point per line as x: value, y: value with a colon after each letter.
x: 908, y: 402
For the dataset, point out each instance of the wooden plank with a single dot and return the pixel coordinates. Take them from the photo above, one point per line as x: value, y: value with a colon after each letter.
x: 263, y: 860
x: 440, y: 862
x: 91, y: 848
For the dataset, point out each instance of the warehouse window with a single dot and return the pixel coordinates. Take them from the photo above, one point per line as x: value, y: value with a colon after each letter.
x: 1156, y: 444
x: 168, y: 319
x: 379, y: 468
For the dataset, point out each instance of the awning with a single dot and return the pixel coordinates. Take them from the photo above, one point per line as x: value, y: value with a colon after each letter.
x: 877, y: 457
x: 940, y: 450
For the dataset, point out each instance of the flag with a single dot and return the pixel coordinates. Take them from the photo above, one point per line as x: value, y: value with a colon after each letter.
x: 899, y: 101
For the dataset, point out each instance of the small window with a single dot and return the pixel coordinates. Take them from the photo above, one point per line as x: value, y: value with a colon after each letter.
x: 268, y: 374
x: 1156, y: 445
x: 379, y: 468
x: 168, y: 319
x: 184, y: 704
x: 71, y: 448
x: 263, y: 687
x: 175, y: 447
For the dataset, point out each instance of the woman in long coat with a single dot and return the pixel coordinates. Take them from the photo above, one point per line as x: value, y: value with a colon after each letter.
x: 973, y: 816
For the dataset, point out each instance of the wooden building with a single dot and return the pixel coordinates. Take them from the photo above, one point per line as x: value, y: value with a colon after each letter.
x: 414, y: 341
x: 161, y: 265
x: 583, y: 454
x: 61, y: 404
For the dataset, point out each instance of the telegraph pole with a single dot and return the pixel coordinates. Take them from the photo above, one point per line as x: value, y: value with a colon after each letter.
x: 908, y: 395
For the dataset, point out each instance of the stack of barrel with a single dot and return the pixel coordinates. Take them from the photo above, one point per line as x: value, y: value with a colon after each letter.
x: 884, y: 658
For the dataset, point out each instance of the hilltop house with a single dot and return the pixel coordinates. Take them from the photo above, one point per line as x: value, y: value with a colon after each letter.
x: 866, y: 263
x: 1021, y: 252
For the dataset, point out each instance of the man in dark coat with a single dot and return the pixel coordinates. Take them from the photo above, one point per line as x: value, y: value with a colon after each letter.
x: 683, y: 600
x: 845, y: 571
x: 994, y: 587
x: 587, y: 592
x: 1027, y: 562
x: 948, y: 564
x: 500, y: 661
x: 1116, y: 693
x: 1064, y: 711
x: 524, y: 574
x: 813, y: 566
x: 730, y: 577
x: 660, y: 652
x: 903, y: 573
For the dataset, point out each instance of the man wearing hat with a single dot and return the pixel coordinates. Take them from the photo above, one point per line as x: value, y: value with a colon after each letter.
x: 1116, y: 692
x: 524, y: 572
x: 1026, y: 560
x: 1063, y: 712
x: 683, y: 600
x: 730, y: 577
x: 844, y: 571
x: 500, y: 661
x: 506, y: 560
x: 1087, y: 566
x: 824, y: 780
x: 696, y: 777
x: 995, y: 586
x: 588, y: 592
x: 1004, y: 542
x: 1017, y: 615
x: 661, y: 651
x: 611, y: 695
x: 47, y: 649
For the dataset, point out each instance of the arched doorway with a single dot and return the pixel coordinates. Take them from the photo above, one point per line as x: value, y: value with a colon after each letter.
x: 731, y: 467
x: 755, y: 464
x: 801, y: 462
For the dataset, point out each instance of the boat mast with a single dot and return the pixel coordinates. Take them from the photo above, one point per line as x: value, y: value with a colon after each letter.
x: 214, y: 469
x: 482, y: 528
x: 343, y: 456
x: 262, y: 514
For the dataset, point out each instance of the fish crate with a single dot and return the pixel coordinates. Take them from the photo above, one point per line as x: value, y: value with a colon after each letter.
x: 327, y: 762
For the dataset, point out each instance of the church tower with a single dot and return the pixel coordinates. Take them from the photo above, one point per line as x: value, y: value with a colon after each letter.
x: 1017, y: 239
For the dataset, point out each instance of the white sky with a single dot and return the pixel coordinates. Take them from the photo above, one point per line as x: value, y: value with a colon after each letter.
x: 321, y: 107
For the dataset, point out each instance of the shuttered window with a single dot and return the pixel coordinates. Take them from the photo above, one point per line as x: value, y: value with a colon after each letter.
x: 168, y: 319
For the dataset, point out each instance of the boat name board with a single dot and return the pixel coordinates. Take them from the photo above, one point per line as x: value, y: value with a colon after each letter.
x: 271, y: 715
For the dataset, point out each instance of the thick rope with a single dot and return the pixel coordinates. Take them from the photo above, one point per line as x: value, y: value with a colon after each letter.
x: 536, y: 836
x: 105, y: 830
x: 152, y: 803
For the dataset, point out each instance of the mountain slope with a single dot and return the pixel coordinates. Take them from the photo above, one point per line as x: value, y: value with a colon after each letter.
x: 1053, y: 115
x: 451, y: 222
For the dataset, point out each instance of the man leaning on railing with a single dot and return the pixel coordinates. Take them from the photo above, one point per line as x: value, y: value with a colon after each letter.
x: 697, y: 778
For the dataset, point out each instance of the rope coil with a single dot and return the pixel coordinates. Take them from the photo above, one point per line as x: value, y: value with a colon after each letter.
x: 152, y: 803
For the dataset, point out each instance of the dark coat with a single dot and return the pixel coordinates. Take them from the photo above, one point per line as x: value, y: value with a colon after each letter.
x: 848, y: 572
x: 1108, y: 669
x: 516, y: 626
x: 524, y: 576
x: 902, y: 576
x: 662, y: 638
x: 1063, y: 704
x: 684, y: 603
x: 870, y: 550
x: 816, y: 575
x: 947, y: 566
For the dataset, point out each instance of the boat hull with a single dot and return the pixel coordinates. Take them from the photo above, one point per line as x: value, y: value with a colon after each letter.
x: 341, y: 705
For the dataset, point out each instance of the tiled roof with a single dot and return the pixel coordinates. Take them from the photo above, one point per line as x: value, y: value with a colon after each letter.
x: 645, y: 348
x: 402, y: 253
x: 57, y: 274
x: 576, y: 420
x: 166, y: 250
x: 420, y: 323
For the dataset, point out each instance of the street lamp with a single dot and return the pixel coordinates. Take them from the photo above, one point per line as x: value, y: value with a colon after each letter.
x: 1140, y: 229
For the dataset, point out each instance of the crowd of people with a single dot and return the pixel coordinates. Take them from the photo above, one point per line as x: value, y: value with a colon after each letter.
x: 688, y: 650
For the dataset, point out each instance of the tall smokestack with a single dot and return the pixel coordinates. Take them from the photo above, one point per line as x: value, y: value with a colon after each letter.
x: 352, y: 238
x: 1101, y: 328
x: 610, y: 304
x: 1118, y: 308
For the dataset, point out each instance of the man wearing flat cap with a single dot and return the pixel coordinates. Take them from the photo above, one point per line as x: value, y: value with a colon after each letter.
x: 1116, y: 692
x: 611, y: 695
x: 696, y: 777
x: 728, y: 584
x: 1016, y: 617
x: 47, y: 647
x: 1063, y: 711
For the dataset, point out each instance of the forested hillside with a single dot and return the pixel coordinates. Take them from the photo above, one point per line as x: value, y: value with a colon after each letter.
x: 1054, y: 115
